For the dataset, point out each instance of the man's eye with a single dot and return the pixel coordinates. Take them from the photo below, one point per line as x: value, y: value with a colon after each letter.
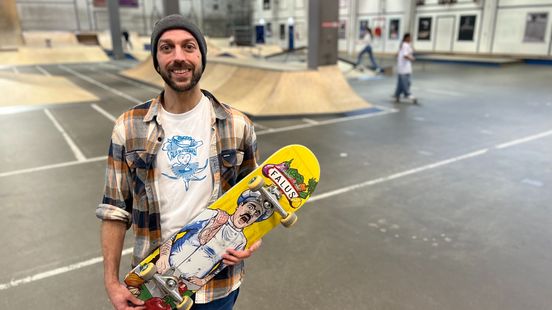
x: 189, y: 47
x: 165, y: 47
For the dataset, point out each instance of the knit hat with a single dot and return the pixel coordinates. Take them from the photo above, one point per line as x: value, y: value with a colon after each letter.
x: 176, y: 21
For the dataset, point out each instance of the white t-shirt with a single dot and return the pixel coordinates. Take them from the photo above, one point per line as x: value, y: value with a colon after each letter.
x: 404, y: 65
x: 185, y: 180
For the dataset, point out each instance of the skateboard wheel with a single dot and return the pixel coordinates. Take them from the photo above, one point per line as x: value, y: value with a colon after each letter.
x: 186, y: 303
x: 256, y: 183
x: 148, y: 271
x: 289, y: 220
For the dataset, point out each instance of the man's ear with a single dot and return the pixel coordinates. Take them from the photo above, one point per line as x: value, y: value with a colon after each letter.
x: 158, y: 69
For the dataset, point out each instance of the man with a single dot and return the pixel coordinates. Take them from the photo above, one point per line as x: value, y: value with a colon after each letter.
x: 156, y: 179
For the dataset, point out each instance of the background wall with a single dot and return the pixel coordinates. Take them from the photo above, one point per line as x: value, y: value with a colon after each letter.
x: 517, y: 27
x: 512, y: 22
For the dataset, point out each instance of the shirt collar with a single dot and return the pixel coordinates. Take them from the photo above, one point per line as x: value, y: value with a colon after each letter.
x: 219, y: 110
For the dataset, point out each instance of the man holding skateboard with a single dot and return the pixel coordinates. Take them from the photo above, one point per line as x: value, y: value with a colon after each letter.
x: 169, y: 158
x: 200, y: 245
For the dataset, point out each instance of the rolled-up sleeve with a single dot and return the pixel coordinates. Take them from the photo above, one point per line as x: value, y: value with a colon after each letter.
x: 117, y: 198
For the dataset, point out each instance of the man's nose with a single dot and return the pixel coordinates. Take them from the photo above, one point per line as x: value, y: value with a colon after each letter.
x: 179, y: 53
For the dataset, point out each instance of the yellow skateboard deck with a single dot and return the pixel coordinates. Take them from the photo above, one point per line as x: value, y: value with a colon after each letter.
x: 268, y: 196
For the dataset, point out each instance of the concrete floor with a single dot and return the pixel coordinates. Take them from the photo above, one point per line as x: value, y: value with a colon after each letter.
x: 440, y: 206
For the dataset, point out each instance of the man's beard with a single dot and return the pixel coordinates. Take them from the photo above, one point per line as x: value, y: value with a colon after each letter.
x: 196, y: 76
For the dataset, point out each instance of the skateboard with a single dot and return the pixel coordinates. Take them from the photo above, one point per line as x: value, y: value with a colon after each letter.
x: 401, y: 100
x: 268, y: 196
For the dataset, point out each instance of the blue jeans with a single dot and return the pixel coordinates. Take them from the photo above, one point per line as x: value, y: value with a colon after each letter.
x: 403, y: 85
x: 367, y: 50
x: 226, y: 303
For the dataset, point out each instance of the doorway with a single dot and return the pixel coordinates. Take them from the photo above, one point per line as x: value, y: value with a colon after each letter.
x: 444, y: 34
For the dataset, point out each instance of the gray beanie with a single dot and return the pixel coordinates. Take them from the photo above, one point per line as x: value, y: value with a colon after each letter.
x: 176, y: 21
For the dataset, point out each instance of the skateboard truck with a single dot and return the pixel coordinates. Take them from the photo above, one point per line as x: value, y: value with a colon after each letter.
x: 257, y: 184
x: 168, y: 284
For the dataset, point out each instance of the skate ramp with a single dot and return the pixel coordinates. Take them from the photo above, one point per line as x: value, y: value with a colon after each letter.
x: 49, y: 38
x: 45, y: 55
x: 270, y: 89
x: 221, y: 47
x: 32, y: 89
x: 10, y: 27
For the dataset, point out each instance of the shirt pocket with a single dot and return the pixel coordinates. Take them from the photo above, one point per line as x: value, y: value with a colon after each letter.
x: 231, y: 158
x: 231, y: 161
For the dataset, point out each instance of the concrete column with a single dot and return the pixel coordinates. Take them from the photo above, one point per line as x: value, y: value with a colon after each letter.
x: 487, y: 24
x: 353, y: 21
x: 409, y: 19
x: 171, y: 7
x: 115, y: 27
x: 323, y: 25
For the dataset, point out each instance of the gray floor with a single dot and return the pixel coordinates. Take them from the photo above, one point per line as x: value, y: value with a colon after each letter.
x: 445, y: 205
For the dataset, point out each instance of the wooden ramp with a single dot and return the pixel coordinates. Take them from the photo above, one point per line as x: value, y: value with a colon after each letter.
x: 31, y: 89
x: 49, y: 38
x: 270, y: 89
x: 45, y: 55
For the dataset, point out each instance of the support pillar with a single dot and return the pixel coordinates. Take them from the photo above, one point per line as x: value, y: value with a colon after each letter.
x: 323, y: 25
x: 115, y: 28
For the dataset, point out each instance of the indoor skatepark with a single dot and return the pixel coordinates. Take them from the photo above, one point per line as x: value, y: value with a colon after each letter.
x: 441, y: 205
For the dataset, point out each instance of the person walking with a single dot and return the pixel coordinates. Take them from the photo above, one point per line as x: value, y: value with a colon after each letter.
x: 169, y: 158
x: 405, y: 58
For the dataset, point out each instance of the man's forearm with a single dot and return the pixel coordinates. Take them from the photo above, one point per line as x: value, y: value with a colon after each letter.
x: 112, y: 238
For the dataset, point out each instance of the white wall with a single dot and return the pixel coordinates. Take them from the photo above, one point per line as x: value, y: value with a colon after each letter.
x: 279, y: 14
x: 455, y: 11
x: 81, y: 15
x: 510, y: 28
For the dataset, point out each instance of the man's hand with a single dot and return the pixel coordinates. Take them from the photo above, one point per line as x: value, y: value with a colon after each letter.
x: 162, y: 264
x: 233, y: 257
x: 122, y: 299
x: 197, y: 281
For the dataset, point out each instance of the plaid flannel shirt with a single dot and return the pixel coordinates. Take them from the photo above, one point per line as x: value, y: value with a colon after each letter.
x: 130, y: 194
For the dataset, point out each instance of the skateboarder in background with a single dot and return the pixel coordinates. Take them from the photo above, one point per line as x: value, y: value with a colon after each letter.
x: 404, y: 69
x: 367, y: 40
x: 126, y: 37
x: 154, y: 180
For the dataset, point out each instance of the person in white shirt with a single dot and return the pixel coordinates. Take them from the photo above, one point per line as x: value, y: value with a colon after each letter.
x: 404, y: 69
x: 367, y: 40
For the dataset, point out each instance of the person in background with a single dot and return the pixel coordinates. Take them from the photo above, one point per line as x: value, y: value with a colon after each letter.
x: 404, y: 69
x: 126, y: 37
x: 367, y: 40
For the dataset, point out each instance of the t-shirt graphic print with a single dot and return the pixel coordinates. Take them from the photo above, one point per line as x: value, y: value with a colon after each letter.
x: 182, y: 155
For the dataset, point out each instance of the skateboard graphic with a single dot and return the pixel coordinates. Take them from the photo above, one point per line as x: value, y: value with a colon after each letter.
x: 269, y: 195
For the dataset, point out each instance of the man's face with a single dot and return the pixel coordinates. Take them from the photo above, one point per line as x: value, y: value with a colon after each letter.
x: 179, y: 60
x: 247, y: 213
